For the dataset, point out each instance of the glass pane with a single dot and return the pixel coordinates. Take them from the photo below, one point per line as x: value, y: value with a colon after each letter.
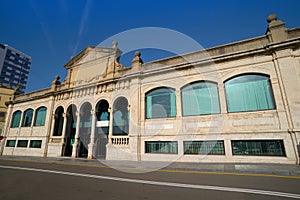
x: 258, y: 147
x: 161, y: 147
x: 16, y: 119
x: 204, y: 147
x: 27, y: 118
x: 40, y: 117
x: 22, y: 143
x: 35, y: 144
x: 200, y: 98
x: 161, y: 103
x: 11, y: 143
x: 249, y: 93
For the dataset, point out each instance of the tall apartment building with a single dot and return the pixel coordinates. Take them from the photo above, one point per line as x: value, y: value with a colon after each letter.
x: 14, y: 67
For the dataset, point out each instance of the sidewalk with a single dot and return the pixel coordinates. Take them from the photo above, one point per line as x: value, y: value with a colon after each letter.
x: 140, y: 167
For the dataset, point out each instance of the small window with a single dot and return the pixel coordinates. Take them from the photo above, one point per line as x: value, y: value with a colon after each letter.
x: 22, y: 143
x: 204, y: 147
x: 161, y: 103
x: 258, y: 147
x: 35, y: 144
x: 10, y: 143
x: 167, y: 147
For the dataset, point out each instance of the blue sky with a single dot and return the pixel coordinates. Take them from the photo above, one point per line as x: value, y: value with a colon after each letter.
x: 51, y: 31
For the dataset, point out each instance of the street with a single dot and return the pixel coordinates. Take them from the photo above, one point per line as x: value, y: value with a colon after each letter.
x: 37, y: 180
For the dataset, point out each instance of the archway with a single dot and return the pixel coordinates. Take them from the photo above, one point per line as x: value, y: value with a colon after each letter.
x: 70, y: 130
x: 121, y: 117
x: 85, y: 129
x: 102, y: 128
x: 59, y: 120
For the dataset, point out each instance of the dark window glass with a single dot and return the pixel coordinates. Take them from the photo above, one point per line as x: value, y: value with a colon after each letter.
x: 22, y: 143
x: 161, y: 147
x: 27, y: 119
x: 35, y: 144
x: 204, y: 147
x: 11, y: 143
x: 15, y: 122
x: 258, y: 147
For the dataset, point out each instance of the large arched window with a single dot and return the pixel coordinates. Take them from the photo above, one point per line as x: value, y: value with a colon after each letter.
x: 121, y: 117
x: 59, y: 120
x: 27, y: 118
x: 200, y: 98
x: 40, y: 116
x: 249, y: 92
x: 160, y: 103
x: 15, y: 122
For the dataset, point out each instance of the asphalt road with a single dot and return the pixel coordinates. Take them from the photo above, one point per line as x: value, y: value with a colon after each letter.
x: 39, y: 181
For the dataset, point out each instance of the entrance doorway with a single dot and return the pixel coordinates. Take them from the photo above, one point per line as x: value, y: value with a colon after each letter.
x: 102, y: 129
x: 70, y: 130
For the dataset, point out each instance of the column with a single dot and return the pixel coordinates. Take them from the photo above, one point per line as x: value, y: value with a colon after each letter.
x: 52, y: 125
x: 63, y: 142
x: 91, y: 146
x: 75, y: 145
x: 110, y: 131
x: 64, y: 128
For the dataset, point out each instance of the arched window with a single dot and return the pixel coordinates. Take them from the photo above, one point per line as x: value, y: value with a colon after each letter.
x: 200, y: 98
x: 59, y: 120
x: 40, y: 116
x: 249, y: 92
x: 15, y: 122
x: 27, y: 118
x: 121, y: 117
x: 160, y: 103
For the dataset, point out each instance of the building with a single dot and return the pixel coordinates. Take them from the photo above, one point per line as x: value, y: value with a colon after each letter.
x: 6, y: 94
x: 14, y: 67
x: 238, y: 102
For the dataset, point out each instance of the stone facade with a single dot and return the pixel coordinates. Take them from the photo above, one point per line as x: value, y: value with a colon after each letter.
x: 105, y: 110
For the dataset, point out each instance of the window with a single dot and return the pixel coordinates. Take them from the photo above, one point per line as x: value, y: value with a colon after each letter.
x: 40, y: 116
x: 27, y: 119
x: 200, y: 98
x: 35, y: 144
x: 160, y: 103
x: 249, y: 93
x: 161, y: 147
x: 22, y: 143
x: 10, y: 143
x: 258, y: 147
x: 204, y: 147
x: 15, y: 122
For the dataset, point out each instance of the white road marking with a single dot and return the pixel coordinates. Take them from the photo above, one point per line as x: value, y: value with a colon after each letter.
x: 170, y: 184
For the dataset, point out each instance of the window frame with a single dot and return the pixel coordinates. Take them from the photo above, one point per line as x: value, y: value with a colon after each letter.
x: 24, y: 123
x: 204, y: 142
x: 169, y: 143
x: 189, y: 87
x: 20, y: 142
x: 270, y: 92
x: 43, y: 121
x: 13, y: 118
x: 258, y: 154
x: 172, y: 95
